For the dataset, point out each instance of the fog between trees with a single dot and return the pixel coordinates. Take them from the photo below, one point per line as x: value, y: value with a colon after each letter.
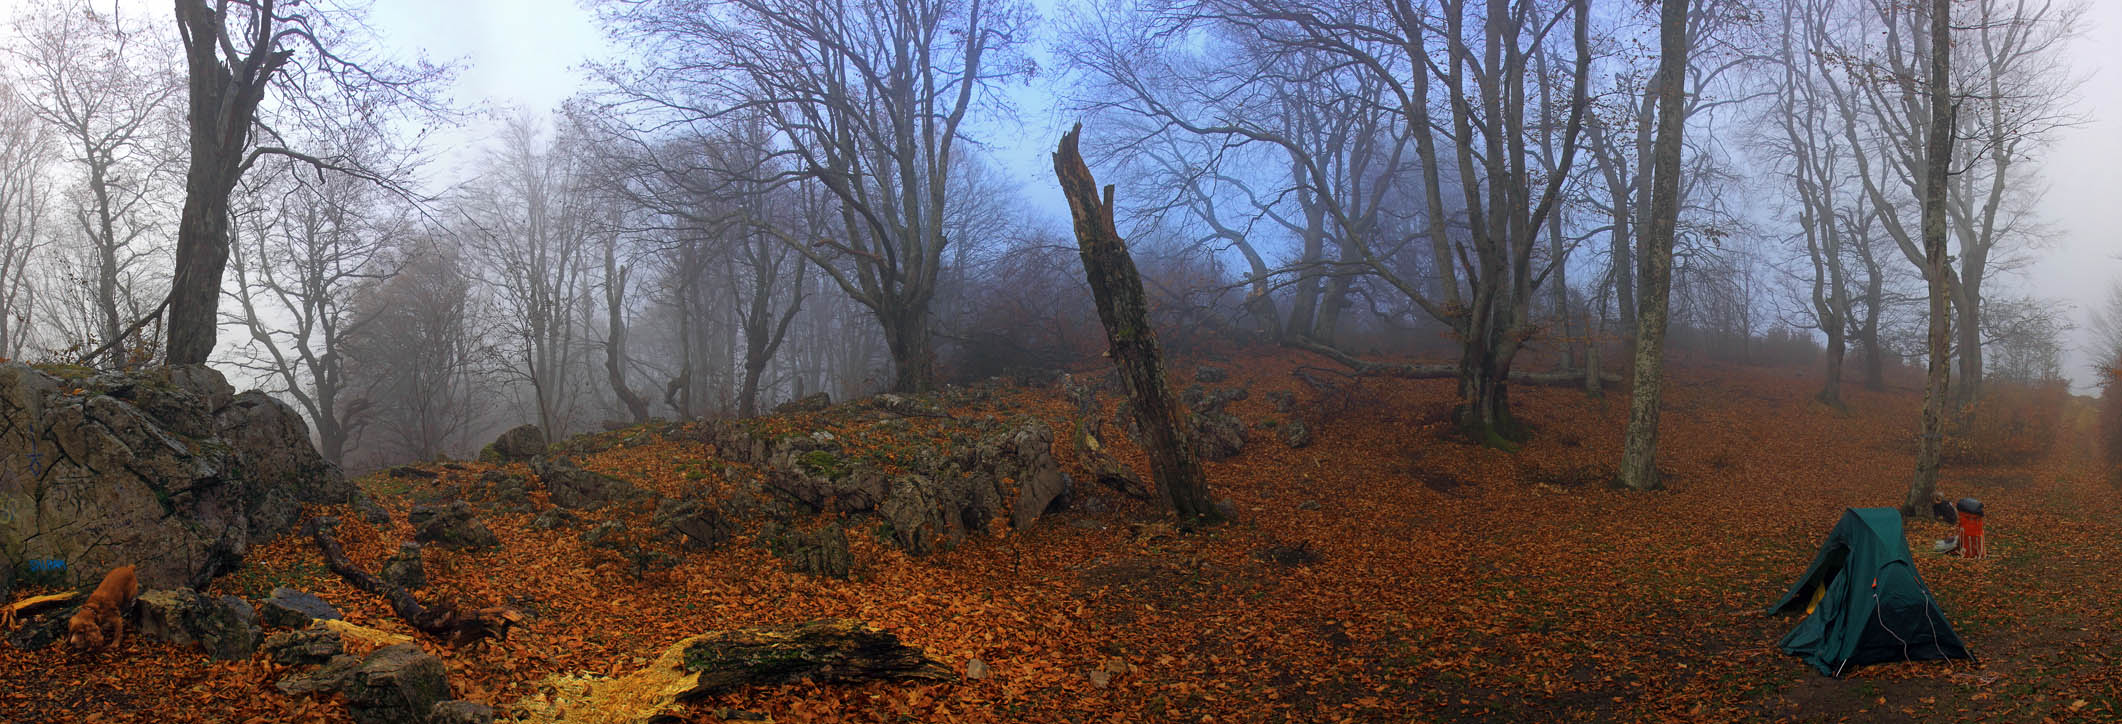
x: 754, y: 201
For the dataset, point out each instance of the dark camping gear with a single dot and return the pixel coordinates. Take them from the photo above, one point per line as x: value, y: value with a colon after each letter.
x: 1864, y: 601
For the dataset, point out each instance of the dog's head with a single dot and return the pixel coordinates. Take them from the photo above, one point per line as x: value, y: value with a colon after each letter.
x: 83, y: 633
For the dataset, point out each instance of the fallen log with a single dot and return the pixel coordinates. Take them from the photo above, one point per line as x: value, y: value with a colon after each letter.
x: 34, y: 606
x: 827, y: 651
x: 437, y: 619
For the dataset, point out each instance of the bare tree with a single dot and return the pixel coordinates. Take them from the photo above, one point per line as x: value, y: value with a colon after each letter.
x: 299, y: 260
x: 95, y: 78
x: 26, y: 153
x: 1639, y: 458
x: 1807, y: 139
x: 528, y: 222
x: 868, y: 99
x: 237, y: 53
x: 616, y: 360
x: 1937, y: 163
x: 2010, y: 99
x: 419, y: 362
x: 1405, y: 58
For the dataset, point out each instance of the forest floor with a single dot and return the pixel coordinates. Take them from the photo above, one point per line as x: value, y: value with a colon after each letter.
x: 1387, y: 573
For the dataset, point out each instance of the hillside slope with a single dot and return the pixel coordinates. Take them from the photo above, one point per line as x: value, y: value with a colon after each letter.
x: 1385, y: 573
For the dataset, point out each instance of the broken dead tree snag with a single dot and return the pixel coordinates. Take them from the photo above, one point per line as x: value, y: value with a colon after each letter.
x: 1132, y: 342
x: 1367, y: 368
x: 439, y: 619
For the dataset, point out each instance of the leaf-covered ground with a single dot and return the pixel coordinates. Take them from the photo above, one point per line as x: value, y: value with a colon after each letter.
x: 1386, y: 573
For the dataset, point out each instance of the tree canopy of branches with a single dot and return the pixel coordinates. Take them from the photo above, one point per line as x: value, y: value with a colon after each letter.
x: 237, y: 52
x: 869, y: 99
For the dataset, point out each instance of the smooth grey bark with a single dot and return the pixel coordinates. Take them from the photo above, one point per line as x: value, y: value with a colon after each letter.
x: 1639, y: 469
x: 1937, y: 163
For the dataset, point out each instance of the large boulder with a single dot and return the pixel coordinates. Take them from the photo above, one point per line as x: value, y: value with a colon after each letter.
x: 1217, y: 435
x: 521, y: 442
x: 276, y: 449
x: 1026, y: 455
x: 289, y: 608
x: 226, y: 627
x: 395, y: 685
x: 572, y: 487
x: 167, y: 469
x: 406, y: 568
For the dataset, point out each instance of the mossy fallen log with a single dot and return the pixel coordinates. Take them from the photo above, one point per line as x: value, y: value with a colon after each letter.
x: 829, y: 651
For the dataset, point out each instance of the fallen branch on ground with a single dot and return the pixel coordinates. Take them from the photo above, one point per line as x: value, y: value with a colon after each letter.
x: 438, y: 619
x: 30, y: 607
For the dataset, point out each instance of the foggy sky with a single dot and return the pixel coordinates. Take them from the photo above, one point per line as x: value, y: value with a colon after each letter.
x: 526, y: 53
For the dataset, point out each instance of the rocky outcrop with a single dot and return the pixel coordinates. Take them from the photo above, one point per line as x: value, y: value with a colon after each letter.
x: 1088, y: 440
x: 520, y: 443
x: 1026, y: 455
x: 927, y: 503
x: 807, y: 403
x: 167, y: 469
x: 226, y: 627
x: 1217, y: 434
x: 699, y: 524
x: 451, y: 526
x: 820, y: 551
x: 394, y: 685
x: 573, y: 487
x: 313, y: 646
x: 1295, y: 433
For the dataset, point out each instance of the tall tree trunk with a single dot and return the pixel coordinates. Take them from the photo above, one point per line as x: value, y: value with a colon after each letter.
x: 906, y: 334
x: 1620, y: 260
x: 107, y: 263
x: 1304, y: 303
x: 195, y: 290
x: 1124, y: 309
x: 1837, y: 347
x: 224, y: 105
x: 615, y: 361
x: 1484, y: 384
x: 1874, y: 302
x: 1968, y: 305
x: 1639, y: 460
x: 1937, y: 162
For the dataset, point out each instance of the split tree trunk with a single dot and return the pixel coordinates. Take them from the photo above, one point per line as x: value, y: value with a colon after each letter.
x: 1639, y: 460
x: 615, y: 360
x: 1937, y: 162
x: 1124, y: 309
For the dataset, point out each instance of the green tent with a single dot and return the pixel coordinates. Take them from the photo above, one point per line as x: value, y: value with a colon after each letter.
x: 1864, y: 602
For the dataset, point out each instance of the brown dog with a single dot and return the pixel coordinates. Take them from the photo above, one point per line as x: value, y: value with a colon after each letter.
x: 101, y: 621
